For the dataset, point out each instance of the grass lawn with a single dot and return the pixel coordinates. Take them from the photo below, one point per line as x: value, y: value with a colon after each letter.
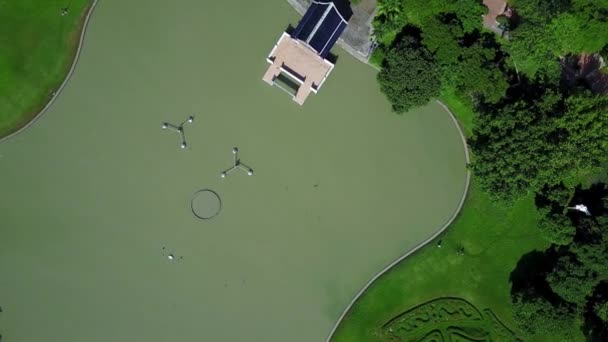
x: 37, y: 45
x: 494, y: 238
x: 463, y: 111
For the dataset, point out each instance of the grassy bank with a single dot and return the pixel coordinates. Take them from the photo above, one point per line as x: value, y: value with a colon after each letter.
x: 38, y: 45
x: 494, y: 238
x: 491, y: 239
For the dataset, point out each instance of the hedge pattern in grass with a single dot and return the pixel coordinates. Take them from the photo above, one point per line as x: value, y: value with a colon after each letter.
x: 447, y: 319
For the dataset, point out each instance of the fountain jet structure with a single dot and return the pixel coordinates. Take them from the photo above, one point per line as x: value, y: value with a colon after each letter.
x: 237, y: 165
x: 179, y: 129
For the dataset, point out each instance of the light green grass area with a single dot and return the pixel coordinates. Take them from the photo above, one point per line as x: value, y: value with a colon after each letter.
x: 463, y: 111
x: 493, y: 239
x: 94, y: 189
x: 37, y: 45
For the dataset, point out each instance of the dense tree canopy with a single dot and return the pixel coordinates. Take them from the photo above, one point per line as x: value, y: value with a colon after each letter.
x: 394, y: 14
x: 601, y: 310
x: 572, y: 280
x: 468, y: 61
x: 551, y: 202
x: 538, y: 139
x: 441, y: 35
x: 575, y: 280
x: 410, y: 77
x: 477, y: 75
x: 549, y: 29
x: 556, y: 228
x: 538, y: 316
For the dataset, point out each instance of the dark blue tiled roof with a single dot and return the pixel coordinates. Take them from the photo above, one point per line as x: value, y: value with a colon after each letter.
x: 321, y: 26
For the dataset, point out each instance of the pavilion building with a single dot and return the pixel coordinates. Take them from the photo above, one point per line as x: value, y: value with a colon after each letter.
x: 298, y: 61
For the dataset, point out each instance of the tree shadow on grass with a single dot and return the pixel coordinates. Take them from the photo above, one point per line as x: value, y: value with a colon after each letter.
x: 593, y: 327
x: 529, y: 278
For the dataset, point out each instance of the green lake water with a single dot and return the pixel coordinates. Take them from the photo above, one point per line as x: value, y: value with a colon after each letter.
x: 94, y: 190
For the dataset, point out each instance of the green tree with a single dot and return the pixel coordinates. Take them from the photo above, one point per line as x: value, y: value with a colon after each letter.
x: 538, y: 139
x: 553, y: 28
x: 556, y: 227
x: 393, y: 15
x: 477, y: 76
x: 551, y: 202
x: 409, y: 77
x: 441, y: 36
x: 389, y: 17
x: 592, y: 251
x: 556, y: 196
x: 586, y: 124
x: 572, y: 280
x: 471, y: 70
x: 536, y: 316
x: 532, y: 50
x: 601, y: 310
x: 469, y: 13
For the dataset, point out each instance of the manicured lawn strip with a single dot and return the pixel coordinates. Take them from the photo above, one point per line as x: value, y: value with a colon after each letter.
x: 494, y: 239
x: 462, y: 111
x: 38, y: 45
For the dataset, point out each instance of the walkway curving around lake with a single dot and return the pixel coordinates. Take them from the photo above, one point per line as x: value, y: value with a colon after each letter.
x: 65, y: 80
x: 423, y: 243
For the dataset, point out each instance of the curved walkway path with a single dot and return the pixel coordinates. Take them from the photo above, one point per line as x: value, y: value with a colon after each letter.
x: 65, y: 80
x: 423, y: 243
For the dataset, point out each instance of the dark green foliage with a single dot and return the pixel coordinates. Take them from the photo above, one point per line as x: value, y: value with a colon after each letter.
x: 389, y: 17
x: 511, y: 153
x: 468, y: 62
x: 469, y: 13
x: 594, y: 256
x: 555, y: 196
x: 538, y: 316
x: 540, y: 11
x: 477, y: 77
x: 554, y: 28
x: 557, y: 228
x: 532, y: 52
x: 393, y: 15
x: 586, y: 121
x: 572, y: 280
x: 551, y: 202
x: 441, y: 37
x: 601, y: 310
x: 520, y: 146
x: 409, y: 77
